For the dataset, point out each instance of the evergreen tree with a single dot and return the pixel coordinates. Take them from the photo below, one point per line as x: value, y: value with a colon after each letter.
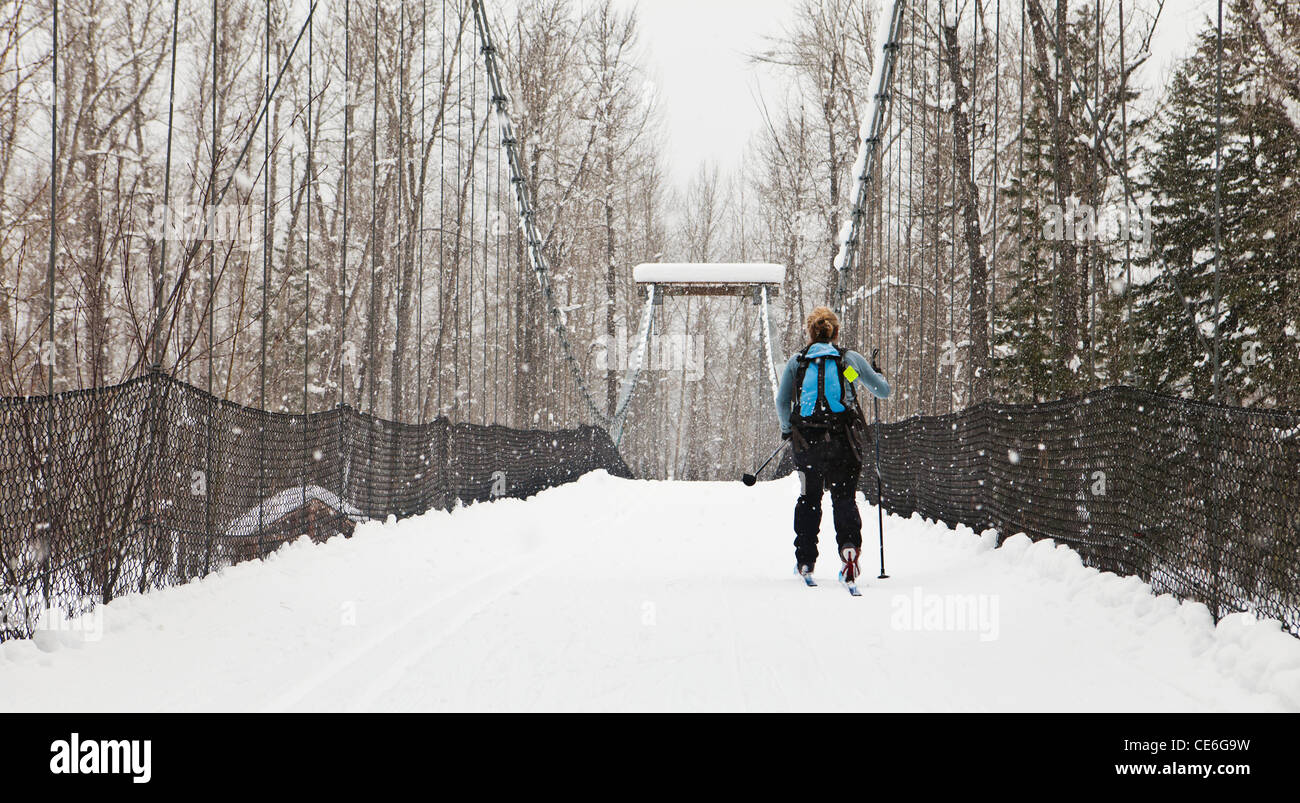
x: 1260, y: 263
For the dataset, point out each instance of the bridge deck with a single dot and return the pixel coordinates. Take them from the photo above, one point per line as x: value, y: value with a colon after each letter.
x: 612, y: 594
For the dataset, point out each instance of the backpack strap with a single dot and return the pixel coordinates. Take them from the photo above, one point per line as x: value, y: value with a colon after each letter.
x: 846, y: 387
x: 822, y: 402
x: 802, y: 357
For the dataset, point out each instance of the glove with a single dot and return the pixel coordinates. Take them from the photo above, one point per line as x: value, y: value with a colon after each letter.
x: 785, y: 436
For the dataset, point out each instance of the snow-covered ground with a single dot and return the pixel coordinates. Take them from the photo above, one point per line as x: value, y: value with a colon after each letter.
x: 612, y: 594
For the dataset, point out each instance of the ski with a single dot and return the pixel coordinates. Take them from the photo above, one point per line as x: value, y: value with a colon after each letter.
x: 809, y: 581
x: 853, y: 589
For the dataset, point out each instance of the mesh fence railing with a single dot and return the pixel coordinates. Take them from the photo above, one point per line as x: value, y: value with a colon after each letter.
x: 153, y: 482
x: 1200, y: 500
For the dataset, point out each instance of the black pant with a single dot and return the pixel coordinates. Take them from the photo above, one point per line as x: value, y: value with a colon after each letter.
x: 826, y: 465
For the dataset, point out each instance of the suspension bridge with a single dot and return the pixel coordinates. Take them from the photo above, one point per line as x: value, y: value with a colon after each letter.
x: 312, y: 266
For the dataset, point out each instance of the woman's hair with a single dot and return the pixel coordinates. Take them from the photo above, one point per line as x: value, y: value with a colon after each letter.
x: 823, y: 326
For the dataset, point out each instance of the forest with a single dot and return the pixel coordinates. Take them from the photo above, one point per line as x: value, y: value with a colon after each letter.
x: 299, y: 205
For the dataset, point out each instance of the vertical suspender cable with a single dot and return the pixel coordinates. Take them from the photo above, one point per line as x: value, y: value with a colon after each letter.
x: 444, y: 93
x: 211, y: 311
x: 266, y: 271
x: 925, y: 85
x: 372, y: 369
x: 487, y: 233
x: 908, y: 359
x: 952, y: 265
x: 1216, y: 606
x: 997, y: 182
x: 419, y: 224
x: 1020, y: 164
x: 159, y: 345
x: 400, y: 222
x: 888, y: 216
x: 183, y: 275
x: 54, y: 202
x: 471, y: 179
x: 976, y: 23
x: 499, y: 232
x: 1128, y: 211
x: 344, y: 341
x: 1093, y: 249
x: 372, y: 360
x: 310, y: 180
x: 769, y: 357
x: 458, y: 241
x: 49, y: 279
x: 977, y: 19
x: 938, y: 204
x: 348, y: 97
x: 1218, y: 198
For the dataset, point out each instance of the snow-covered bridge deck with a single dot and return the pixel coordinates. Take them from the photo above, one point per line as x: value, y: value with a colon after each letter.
x: 612, y: 594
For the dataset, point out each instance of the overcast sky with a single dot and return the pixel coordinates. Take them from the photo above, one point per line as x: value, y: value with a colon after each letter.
x: 696, y: 52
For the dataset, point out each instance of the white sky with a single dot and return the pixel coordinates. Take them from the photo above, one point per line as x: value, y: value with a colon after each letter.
x: 1179, y: 22
x: 696, y: 54
x: 696, y: 50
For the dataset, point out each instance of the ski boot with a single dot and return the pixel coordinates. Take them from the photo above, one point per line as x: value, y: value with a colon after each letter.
x: 805, y: 573
x: 849, y: 572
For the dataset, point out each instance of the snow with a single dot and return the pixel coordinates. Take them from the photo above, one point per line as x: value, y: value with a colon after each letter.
x: 709, y: 272
x: 611, y: 595
x: 287, y: 501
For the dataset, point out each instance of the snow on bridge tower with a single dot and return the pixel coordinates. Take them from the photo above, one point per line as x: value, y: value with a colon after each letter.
x: 658, y: 280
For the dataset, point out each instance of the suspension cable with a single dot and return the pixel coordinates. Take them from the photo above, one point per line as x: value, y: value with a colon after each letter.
x: 770, y: 358
x: 635, y: 364
x: 524, y: 207
x: 864, y: 166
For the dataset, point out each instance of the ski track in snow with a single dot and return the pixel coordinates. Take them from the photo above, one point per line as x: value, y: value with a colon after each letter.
x: 610, y: 594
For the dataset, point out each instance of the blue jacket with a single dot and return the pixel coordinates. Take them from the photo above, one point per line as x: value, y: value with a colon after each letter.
x: 785, y: 393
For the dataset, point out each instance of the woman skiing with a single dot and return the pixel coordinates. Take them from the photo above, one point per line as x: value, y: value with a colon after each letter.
x: 820, y: 416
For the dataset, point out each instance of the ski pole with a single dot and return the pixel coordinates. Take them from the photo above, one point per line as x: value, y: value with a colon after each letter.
x: 750, y: 479
x: 880, y: 484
